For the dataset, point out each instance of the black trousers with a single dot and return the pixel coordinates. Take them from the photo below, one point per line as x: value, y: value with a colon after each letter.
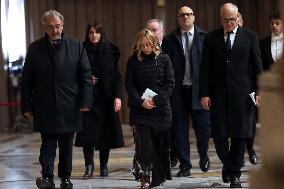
x: 48, y: 154
x: 152, y: 147
x: 89, y: 155
x: 232, y: 156
x: 181, y: 122
x: 250, y: 141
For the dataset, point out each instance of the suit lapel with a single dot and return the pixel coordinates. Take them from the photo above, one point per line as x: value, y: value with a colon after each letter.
x: 178, y: 38
x: 221, y: 42
x: 268, y: 49
x: 238, y: 38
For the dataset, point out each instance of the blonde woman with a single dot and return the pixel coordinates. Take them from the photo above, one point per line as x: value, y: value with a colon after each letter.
x: 151, y: 116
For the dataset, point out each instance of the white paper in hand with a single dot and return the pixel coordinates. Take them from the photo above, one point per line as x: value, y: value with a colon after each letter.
x: 252, y: 96
x: 148, y: 93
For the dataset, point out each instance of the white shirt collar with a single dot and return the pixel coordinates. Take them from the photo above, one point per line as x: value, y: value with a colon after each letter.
x: 234, y: 30
x: 276, y: 38
x: 191, y: 31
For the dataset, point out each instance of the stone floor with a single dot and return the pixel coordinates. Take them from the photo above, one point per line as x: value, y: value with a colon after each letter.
x: 19, y: 166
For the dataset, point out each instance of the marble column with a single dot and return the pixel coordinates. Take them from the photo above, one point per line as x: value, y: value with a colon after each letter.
x: 271, y: 133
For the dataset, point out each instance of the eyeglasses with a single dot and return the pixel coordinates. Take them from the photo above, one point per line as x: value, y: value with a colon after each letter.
x: 51, y: 27
x: 188, y: 14
x: 232, y: 20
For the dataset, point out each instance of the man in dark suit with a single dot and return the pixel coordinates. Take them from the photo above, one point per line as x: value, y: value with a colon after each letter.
x: 271, y: 47
x: 231, y: 61
x: 56, y: 86
x: 184, y: 47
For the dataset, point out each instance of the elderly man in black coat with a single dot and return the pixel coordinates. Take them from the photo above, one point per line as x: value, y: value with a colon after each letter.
x: 56, y: 86
x: 231, y: 61
x: 184, y: 47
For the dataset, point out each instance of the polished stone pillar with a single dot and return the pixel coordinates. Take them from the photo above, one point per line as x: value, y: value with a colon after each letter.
x: 271, y: 133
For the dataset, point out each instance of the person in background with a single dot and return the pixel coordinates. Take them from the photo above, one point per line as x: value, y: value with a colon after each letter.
x: 226, y: 80
x: 150, y: 116
x: 157, y: 27
x: 101, y: 126
x: 249, y: 143
x: 184, y: 47
x: 56, y: 86
x: 272, y: 46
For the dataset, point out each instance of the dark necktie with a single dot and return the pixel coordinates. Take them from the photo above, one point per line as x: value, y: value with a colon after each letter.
x: 188, y: 69
x: 187, y: 48
x: 228, y: 41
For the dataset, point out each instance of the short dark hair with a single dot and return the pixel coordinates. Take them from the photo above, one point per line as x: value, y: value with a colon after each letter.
x: 99, y: 29
x: 275, y: 15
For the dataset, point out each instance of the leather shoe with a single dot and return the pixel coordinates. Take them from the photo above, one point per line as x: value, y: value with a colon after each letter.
x: 184, y: 172
x: 104, y: 170
x: 89, y: 171
x: 225, y: 176
x: 204, y: 164
x: 174, y: 161
x: 152, y: 185
x: 45, y: 183
x: 252, y: 157
x: 235, y: 182
x: 66, y: 184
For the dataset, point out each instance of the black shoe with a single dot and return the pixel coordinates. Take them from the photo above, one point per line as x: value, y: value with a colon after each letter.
x: 104, y: 170
x: 135, y: 173
x: 66, y: 184
x: 169, y: 176
x: 174, y: 161
x: 204, y: 164
x: 89, y: 171
x: 184, y: 172
x: 252, y: 157
x: 45, y: 183
x: 235, y: 182
x: 152, y: 185
x: 225, y: 176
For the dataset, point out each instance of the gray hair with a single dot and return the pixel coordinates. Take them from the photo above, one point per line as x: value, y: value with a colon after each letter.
x: 51, y: 13
x: 160, y: 22
x: 235, y: 8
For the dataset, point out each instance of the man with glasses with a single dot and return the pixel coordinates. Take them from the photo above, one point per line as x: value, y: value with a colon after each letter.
x: 184, y: 47
x: 231, y: 61
x: 56, y: 86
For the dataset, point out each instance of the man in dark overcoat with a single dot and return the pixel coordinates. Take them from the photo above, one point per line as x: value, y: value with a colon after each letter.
x: 56, y: 86
x: 184, y: 47
x: 231, y: 61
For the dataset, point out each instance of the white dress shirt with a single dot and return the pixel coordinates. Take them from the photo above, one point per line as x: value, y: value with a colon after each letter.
x: 232, y: 36
x: 276, y: 46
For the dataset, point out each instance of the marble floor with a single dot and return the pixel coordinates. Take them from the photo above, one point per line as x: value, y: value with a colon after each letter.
x: 19, y: 166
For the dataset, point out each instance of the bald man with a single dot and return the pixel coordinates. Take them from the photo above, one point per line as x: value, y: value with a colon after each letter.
x: 231, y: 61
x: 184, y: 47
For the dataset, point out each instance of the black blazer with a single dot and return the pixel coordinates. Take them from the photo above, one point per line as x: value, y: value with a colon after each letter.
x: 266, y: 56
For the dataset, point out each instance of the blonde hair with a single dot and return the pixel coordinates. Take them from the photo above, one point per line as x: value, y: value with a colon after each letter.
x: 136, y: 48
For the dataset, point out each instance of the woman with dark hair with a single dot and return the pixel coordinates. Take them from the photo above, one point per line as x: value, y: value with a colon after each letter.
x: 150, y: 112
x: 101, y: 126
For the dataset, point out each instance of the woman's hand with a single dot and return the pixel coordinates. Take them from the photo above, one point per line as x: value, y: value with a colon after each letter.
x: 206, y: 102
x: 148, y: 104
x: 94, y: 80
x: 117, y: 104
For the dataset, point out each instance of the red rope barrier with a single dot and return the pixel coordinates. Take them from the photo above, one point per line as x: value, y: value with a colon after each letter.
x: 9, y: 104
